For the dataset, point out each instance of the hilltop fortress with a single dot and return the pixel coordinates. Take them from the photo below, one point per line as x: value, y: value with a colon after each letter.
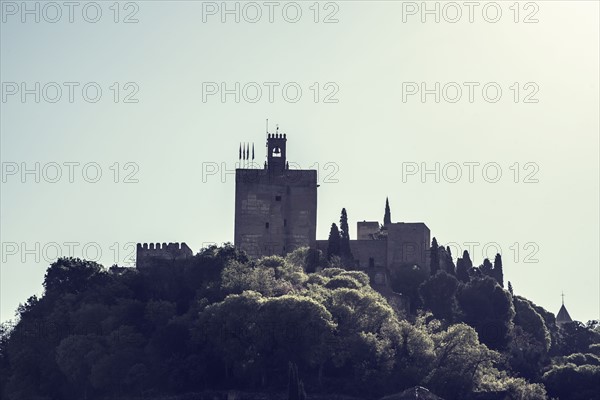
x: 276, y: 213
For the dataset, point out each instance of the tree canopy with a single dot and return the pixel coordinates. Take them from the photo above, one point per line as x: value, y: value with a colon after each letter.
x: 220, y: 321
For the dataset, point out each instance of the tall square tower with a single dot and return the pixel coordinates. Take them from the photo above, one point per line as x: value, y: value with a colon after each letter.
x: 275, y: 206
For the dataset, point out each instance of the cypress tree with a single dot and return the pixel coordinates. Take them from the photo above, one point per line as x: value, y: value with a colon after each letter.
x: 387, y: 217
x: 462, y: 273
x: 345, y: 252
x: 487, y: 268
x: 498, y: 273
x: 333, y: 245
x: 467, y: 260
x: 344, y: 233
x: 510, y: 289
x: 434, y: 265
x: 466, y: 267
x: 446, y: 261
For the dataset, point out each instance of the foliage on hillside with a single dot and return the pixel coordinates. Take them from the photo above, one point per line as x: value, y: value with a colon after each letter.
x: 220, y: 321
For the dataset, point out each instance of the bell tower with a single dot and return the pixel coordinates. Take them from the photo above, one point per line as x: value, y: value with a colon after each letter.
x: 275, y: 207
x: 276, y: 159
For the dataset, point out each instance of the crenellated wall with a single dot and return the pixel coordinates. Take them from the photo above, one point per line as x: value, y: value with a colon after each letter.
x: 148, y: 253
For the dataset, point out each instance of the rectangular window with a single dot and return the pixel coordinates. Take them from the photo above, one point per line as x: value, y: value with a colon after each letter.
x: 277, y: 198
x: 285, y: 222
x: 266, y: 225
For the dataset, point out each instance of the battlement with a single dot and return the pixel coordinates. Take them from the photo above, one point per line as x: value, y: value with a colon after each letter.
x: 163, y: 246
x: 147, y: 253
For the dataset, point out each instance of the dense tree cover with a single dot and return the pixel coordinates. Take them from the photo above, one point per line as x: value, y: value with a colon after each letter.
x: 438, y: 294
x: 576, y: 376
x: 569, y: 381
x: 530, y: 342
x: 406, y: 279
x: 292, y: 325
x: 488, y: 308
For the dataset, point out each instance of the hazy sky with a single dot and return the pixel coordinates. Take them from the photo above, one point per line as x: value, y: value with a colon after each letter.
x: 518, y: 99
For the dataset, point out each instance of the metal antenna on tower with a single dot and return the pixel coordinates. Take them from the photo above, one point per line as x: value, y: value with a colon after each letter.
x: 247, y: 154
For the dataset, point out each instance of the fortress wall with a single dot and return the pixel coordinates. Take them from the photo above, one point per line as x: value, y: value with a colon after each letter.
x: 286, y: 201
x: 408, y: 243
x: 365, y: 229
x: 363, y: 250
x: 146, y: 252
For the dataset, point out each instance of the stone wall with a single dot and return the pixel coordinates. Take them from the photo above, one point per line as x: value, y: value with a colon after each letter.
x: 408, y: 243
x: 147, y: 253
x: 275, y: 212
x: 365, y: 250
x: 366, y: 229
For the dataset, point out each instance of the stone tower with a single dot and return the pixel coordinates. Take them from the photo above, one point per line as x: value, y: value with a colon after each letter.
x: 275, y: 206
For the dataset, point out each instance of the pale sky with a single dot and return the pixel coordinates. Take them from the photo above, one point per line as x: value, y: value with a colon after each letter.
x: 357, y: 120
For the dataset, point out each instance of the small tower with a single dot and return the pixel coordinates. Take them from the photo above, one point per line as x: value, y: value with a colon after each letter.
x: 276, y: 155
x: 563, y: 316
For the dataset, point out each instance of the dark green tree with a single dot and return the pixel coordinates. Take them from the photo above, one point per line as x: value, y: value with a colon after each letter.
x: 462, y: 272
x: 387, y: 217
x: 510, y: 289
x: 345, y: 252
x: 459, y: 359
x: 531, y: 340
x: 72, y: 275
x: 344, y: 230
x: 487, y: 268
x: 498, y: 273
x: 295, y: 385
x: 406, y: 279
x: 467, y: 258
x: 576, y: 337
x: 434, y: 265
x: 489, y: 309
x: 333, y: 243
x: 571, y: 382
x: 76, y: 356
x: 446, y: 263
x: 439, y: 296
